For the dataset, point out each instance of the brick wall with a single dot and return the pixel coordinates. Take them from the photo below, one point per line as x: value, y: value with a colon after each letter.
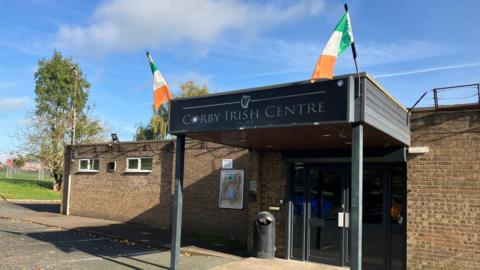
x: 444, y: 190
x: 269, y: 170
x: 146, y: 198
x: 201, y: 212
x: 122, y: 196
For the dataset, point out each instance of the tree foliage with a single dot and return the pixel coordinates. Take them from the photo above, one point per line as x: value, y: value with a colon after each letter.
x: 157, y: 128
x: 19, y: 161
x: 50, y: 123
x: 192, y: 89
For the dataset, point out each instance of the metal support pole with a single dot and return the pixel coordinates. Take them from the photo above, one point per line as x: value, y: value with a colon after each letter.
x: 435, y: 98
x: 72, y: 138
x: 356, y: 218
x: 478, y: 92
x: 177, y: 203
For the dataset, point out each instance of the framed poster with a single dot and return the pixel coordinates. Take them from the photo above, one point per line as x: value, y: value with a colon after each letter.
x: 231, y: 189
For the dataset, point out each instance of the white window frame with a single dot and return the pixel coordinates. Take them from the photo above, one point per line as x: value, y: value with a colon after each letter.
x: 139, y: 165
x: 90, y: 165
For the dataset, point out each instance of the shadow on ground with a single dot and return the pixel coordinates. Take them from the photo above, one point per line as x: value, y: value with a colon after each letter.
x: 72, y: 241
x: 143, y: 234
x: 42, y: 207
x: 162, y: 238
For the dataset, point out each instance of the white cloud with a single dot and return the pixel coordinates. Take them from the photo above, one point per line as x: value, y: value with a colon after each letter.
x: 13, y: 103
x: 124, y: 25
x: 300, y: 57
x: 175, y: 80
x: 426, y: 70
x: 375, y: 53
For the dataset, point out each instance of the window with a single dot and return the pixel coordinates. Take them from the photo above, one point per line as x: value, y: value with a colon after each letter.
x: 111, y: 166
x: 139, y: 164
x: 89, y: 165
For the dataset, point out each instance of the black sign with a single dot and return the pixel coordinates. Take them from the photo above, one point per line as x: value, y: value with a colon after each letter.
x: 301, y: 103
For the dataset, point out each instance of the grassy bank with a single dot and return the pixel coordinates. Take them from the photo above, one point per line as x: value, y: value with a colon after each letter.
x: 27, y: 189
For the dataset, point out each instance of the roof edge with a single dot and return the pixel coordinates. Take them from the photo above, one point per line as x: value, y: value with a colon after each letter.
x: 467, y: 106
x: 124, y: 142
x: 385, y: 91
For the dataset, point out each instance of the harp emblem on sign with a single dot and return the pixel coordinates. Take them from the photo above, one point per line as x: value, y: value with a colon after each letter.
x: 245, y: 101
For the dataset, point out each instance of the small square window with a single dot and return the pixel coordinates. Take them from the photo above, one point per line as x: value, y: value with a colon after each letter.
x: 111, y: 166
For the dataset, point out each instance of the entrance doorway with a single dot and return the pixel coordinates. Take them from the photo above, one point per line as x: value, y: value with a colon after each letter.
x: 320, y: 198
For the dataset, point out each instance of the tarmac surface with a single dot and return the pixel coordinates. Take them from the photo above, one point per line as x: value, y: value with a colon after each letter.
x: 41, y: 240
x: 26, y: 245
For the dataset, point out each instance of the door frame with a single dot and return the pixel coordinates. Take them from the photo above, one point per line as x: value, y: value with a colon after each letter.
x: 344, y: 233
x: 345, y: 189
x: 386, y: 166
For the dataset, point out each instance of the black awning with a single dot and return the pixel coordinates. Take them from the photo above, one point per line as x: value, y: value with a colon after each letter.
x: 300, y: 115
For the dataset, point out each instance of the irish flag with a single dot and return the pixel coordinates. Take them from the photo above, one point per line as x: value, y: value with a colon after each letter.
x: 161, y: 93
x: 340, y: 40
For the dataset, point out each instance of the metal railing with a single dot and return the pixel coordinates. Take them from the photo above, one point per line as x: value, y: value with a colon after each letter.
x: 436, y: 95
x: 18, y: 173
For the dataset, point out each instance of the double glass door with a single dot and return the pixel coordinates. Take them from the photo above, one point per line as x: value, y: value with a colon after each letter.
x: 320, y: 215
x: 320, y: 197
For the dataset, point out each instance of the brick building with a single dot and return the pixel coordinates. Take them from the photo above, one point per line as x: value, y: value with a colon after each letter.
x: 420, y: 209
x: 444, y: 189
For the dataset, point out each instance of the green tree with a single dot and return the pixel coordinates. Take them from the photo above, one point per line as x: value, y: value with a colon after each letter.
x: 192, y: 89
x: 19, y: 161
x: 157, y: 128
x: 50, y: 122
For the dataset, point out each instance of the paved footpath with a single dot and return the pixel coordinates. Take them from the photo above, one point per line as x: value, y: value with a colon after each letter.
x: 27, y: 245
x: 42, y: 240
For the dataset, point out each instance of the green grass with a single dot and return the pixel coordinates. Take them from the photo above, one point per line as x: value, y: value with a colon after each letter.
x: 27, y: 189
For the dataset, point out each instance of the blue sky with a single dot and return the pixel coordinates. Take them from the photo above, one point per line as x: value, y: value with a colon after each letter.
x: 409, y: 46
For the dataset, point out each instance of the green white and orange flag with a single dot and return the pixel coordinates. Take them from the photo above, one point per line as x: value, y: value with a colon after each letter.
x: 340, y: 40
x: 161, y: 93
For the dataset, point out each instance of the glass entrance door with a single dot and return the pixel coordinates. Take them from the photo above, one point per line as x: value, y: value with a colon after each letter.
x: 320, y: 215
x: 320, y: 198
x: 327, y: 216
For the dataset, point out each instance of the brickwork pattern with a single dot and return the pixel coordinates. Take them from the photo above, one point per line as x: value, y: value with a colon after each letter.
x: 146, y: 198
x: 443, y: 230
x: 201, y: 211
x: 269, y: 168
x: 120, y: 195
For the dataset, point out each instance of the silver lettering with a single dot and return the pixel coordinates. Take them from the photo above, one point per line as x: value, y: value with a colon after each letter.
x: 187, y: 119
x: 268, y: 112
x: 244, y: 115
x: 321, y: 106
x: 289, y: 110
x: 233, y: 116
x: 254, y: 113
x: 279, y: 111
x: 311, y: 108
x: 301, y: 108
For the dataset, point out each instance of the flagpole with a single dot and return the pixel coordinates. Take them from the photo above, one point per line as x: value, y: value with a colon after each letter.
x: 354, y: 53
x: 356, y: 185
